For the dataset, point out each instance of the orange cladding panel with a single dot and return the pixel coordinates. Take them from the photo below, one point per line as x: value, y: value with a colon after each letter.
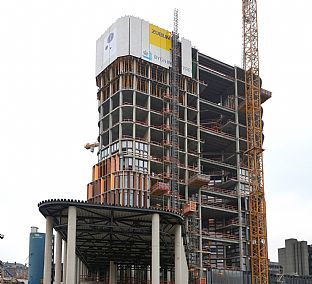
x: 117, y: 163
x: 113, y: 165
x: 102, y: 185
x: 112, y: 181
x: 89, y: 191
x: 96, y: 172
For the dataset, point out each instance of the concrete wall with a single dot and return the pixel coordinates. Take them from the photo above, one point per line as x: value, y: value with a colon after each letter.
x: 294, y: 257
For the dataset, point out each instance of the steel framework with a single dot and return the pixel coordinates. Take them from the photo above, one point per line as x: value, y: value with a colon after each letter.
x: 258, y: 230
x: 175, y: 113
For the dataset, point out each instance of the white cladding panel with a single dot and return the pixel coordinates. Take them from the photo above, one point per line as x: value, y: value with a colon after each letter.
x: 112, y: 44
x: 122, y: 26
x: 99, y: 62
x: 135, y: 37
x: 186, y: 51
x: 130, y: 35
x: 145, y: 52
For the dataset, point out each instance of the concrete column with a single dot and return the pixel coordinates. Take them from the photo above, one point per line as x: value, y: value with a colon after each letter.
x: 184, y: 267
x: 148, y: 274
x: 112, y: 273
x: 77, y: 270
x: 168, y: 276
x: 47, y: 270
x: 155, y: 249
x: 71, y: 245
x: 200, y: 235
x: 64, y: 262
x: 83, y: 270
x: 177, y: 254
x: 58, y: 258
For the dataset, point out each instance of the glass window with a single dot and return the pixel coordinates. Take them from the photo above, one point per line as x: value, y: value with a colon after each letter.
x: 142, y: 199
x: 140, y: 164
x: 124, y: 145
x: 120, y: 197
x: 126, y: 181
x: 131, y: 181
x: 131, y: 198
x: 126, y: 197
x: 136, y: 198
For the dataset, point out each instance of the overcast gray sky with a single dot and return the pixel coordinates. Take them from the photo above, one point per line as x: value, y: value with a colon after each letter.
x: 48, y: 107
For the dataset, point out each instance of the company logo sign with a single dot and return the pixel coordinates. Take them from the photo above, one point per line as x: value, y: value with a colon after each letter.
x: 160, y: 37
x: 109, y: 40
x: 147, y: 55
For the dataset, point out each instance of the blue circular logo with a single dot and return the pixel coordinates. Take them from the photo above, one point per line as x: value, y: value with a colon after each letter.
x: 110, y: 37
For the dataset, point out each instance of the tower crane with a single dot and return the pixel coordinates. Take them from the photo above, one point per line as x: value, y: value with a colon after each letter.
x: 254, y: 152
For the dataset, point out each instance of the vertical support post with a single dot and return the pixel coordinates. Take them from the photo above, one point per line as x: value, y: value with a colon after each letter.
x: 200, y: 236
x: 148, y: 274
x: 168, y: 276
x: 77, y: 270
x: 155, y: 249
x: 112, y: 273
x: 47, y: 270
x: 83, y: 271
x: 177, y: 254
x: 239, y: 195
x: 71, y: 245
x: 64, y: 262
x: 58, y: 258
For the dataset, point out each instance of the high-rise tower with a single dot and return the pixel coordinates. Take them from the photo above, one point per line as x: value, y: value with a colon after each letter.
x: 135, y: 224
x: 133, y: 77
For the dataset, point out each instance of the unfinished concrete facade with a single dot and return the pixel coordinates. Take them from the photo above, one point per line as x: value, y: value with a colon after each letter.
x: 135, y: 149
x: 134, y: 168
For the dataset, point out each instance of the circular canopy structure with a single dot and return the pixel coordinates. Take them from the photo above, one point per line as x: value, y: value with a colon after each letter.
x: 114, y: 233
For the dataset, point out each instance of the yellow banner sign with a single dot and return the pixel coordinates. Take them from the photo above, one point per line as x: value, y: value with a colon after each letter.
x: 160, y: 37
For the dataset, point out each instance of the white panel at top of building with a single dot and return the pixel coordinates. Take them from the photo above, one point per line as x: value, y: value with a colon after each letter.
x: 186, y: 50
x: 122, y: 26
x: 99, y: 55
x: 145, y: 52
x: 136, y: 37
x: 102, y: 53
x: 112, y: 44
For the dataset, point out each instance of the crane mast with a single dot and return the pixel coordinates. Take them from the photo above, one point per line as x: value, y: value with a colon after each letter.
x: 257, y: 207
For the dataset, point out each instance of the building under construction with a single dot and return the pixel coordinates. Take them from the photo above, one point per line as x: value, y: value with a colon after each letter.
x: 169, y: 196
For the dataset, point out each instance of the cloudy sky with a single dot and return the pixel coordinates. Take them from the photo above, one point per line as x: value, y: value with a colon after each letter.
x: 48, y: 106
